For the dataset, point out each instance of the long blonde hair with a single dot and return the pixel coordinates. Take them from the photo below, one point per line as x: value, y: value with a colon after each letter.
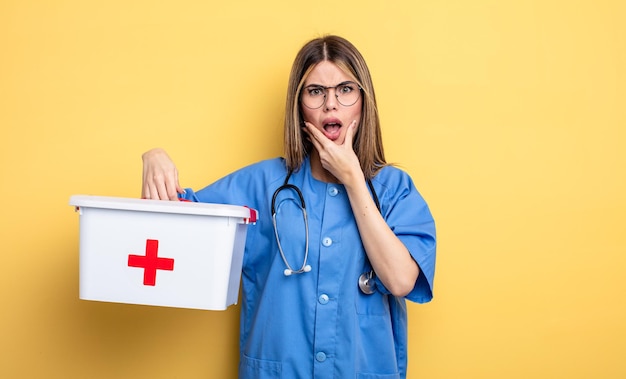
x: 367, y: 142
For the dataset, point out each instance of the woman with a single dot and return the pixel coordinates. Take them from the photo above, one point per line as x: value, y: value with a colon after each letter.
x: 323, y: 292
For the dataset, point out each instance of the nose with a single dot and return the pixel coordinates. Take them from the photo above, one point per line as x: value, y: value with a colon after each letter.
x: 331, y: 99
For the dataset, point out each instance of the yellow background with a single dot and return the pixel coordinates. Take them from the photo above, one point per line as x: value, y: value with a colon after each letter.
x: 509, y: 115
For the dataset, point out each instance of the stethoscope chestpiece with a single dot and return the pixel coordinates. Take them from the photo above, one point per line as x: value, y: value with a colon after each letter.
x: 366, y: 283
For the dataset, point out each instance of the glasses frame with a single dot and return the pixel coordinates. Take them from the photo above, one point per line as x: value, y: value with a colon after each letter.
x: 334, y: 88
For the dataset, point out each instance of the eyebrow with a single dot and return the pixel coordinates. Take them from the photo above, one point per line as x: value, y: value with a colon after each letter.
x: 326, y: 87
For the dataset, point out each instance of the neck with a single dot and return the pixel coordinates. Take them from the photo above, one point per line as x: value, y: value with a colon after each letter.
x: 319, y: 172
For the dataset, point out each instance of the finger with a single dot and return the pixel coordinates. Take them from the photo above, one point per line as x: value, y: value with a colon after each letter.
x: 152, y: 192
x: 172, y: 189
x: 313, y: 135
x: 161, y: 189
x: 173, y: 185
x: 350, y: 134
x: 145, y: 187
x: 179, y: 189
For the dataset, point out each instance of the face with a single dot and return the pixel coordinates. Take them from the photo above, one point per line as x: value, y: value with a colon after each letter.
x: 332, y: 118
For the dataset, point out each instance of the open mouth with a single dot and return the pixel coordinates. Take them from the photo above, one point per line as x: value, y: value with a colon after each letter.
x: 332, y: 129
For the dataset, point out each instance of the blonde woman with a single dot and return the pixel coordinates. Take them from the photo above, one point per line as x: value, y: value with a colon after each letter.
x: 343, y: 238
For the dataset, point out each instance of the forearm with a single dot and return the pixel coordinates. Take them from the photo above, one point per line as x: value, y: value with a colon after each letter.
x: 390, y: 259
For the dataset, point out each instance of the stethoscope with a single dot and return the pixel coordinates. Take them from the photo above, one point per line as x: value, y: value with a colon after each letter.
x: 366, y: 280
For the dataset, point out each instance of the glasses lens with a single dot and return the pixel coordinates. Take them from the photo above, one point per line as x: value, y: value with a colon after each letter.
x: 313, y: 96
x: 347, y: 93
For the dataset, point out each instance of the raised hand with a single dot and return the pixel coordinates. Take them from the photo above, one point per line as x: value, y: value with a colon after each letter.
x: 337, y: 158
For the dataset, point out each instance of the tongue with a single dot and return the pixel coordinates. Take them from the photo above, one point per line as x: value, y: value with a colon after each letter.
x: 332, y: 130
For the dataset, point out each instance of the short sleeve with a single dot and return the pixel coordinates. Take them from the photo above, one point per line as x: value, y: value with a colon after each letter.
x: 409, y: 217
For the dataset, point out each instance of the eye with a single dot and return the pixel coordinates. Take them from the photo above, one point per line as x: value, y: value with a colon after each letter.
x: 315, y: 91
x: 347, y: 88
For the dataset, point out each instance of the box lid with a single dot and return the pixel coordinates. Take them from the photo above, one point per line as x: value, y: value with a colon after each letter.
x: 161, y: 206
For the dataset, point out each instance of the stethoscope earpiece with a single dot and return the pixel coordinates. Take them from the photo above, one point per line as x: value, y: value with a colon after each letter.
x: 289, y: 271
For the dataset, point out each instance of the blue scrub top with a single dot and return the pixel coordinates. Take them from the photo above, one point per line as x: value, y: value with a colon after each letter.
x: 319, y: 324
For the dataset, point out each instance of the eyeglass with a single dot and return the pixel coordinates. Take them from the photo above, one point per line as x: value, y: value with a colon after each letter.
x: 314, y: 96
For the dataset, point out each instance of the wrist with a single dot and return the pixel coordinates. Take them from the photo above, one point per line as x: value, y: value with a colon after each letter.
x: 354, y: 179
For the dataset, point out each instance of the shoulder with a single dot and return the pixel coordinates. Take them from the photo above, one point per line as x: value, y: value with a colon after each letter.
x: 393, y: 185
x: 272, y: 164
x: 265, y: 171
x: 390, y: 177
x: 246, y: 185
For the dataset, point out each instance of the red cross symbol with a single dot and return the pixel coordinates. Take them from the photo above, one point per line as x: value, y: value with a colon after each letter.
x: 150, y: 262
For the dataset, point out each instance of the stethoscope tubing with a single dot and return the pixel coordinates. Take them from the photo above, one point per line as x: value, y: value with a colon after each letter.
x: 305, y: 267
x: 366, y: 280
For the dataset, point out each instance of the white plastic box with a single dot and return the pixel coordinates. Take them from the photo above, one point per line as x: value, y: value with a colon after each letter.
x: 165, y: 253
